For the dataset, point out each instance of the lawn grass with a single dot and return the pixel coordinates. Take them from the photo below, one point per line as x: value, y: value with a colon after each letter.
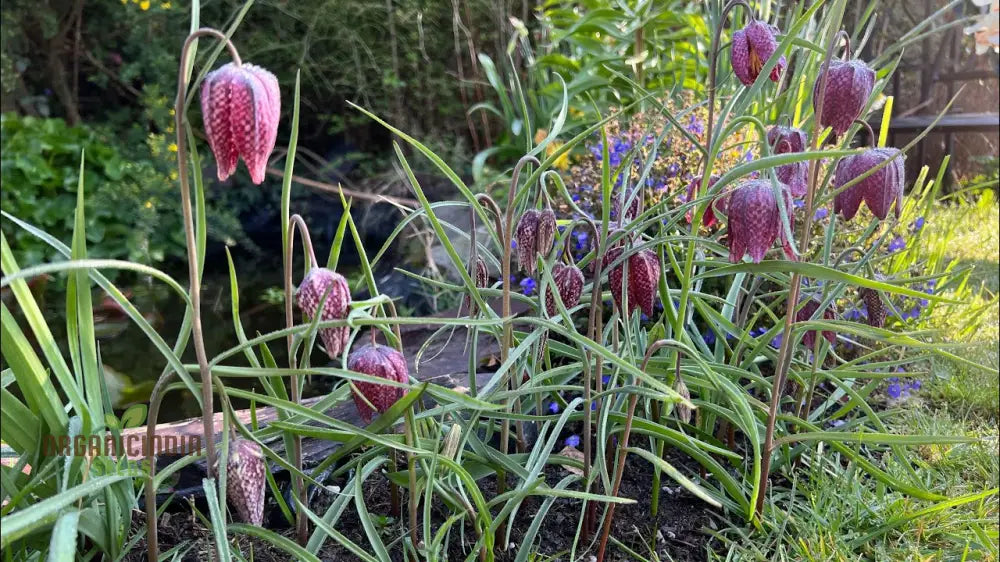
x: 833, y: 511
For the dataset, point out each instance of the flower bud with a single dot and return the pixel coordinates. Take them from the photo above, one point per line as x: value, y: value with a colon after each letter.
x: 383, y: 362
x: 568, y: 283
x: 788, y: 140
x: 849, y: 84
x: 245, y: 480
x: 240, y: 106
x: 751, y: 47
x: 881, y: 190
x: 632, y: 200
x: 546, y: 234
x: 308, y: 296
x: 875, y: 307
x: 806, y: 313
x: 451, y: 442
x: 708, y: 219
x: 482, y: 280
x: 526, y: 237
x: 682, y: 409
x: 755, y: 220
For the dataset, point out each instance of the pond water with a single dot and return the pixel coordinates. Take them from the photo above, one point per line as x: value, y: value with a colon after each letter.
x: 132, y: 363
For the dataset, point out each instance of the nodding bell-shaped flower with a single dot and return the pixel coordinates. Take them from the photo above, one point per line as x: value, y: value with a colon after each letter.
x: 633, y: 200
x: 246, y: 480
x: 789, y: 140
x: 568, y: 283
x: 806, y: 313
x: 683, y: 410
x: 642, y: 283
x: 874, y: 305
x: 755, y: 220
x: 752, y: 46
x: 308, y: 297
x: 241, y: 105
x: 535, y: 233
x: 849, y: 84
x: 708, y: 219
x: 881, y: 190
x: 383, y: 362
x: 482, y: 279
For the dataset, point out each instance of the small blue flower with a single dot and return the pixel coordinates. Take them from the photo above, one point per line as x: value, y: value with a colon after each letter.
x: 554, y: 407
x: 837, y: 423
x: 573, y: 441
x: 576, y: 197
x: 918, y: 224
x: 776, y: 341
x: 798, y: 203
x: 821, y: 213
x: 897, y: 244
x: 894, y: 390
x: 758, y: 332
x: 528, y: 286
x: 513, y: 244
x: 709, y: 337
x: 605, y: 379
x: 915, y: 385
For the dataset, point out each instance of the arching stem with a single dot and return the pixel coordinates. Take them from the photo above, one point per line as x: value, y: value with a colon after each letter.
x: 712, y: 63
x: 785, y: 352
x: 296, y: 221
x: 194, y: 279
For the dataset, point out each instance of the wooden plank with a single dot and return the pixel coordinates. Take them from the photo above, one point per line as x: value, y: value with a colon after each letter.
x: 957, y: 122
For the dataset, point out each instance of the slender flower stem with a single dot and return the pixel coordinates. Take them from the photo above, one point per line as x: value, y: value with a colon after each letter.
x: 595, y: 303
x: 194, y: 278
x: 623, y: 451
x: 713, y: 60
x: 785, y: 352
x: 296, y: 221
x: 473, y: 330
x: 506, y: 235
x: 192, y: 246
x: 411, y: 467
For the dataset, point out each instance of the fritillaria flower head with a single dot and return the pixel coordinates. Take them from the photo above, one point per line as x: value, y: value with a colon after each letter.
x: 383, y: 362
x: 642, y: 283
x: 534, y: 235
x: 755, y: 220
x: 568, y: 283
x: 245, y: 489
x: 881, y: 190
x: 849, y: 84
x: 873, y: 304
x: 308, y: 297
x: 789, y: 140
x: 708, y: 219
x: 806, y: 313
x: 751, y: 47
x: 241, y: 105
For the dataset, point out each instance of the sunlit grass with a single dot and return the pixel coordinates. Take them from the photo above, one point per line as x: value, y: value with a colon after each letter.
x: 974, y: 242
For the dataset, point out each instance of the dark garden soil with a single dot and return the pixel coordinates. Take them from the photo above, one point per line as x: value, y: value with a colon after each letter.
x: 679, y: 532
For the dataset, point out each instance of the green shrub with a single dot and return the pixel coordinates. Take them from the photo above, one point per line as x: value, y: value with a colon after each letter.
x: 131, y: 208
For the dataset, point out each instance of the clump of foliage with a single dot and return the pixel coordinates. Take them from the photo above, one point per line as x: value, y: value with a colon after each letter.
x: 130, y: 204
x: 771, y: 392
